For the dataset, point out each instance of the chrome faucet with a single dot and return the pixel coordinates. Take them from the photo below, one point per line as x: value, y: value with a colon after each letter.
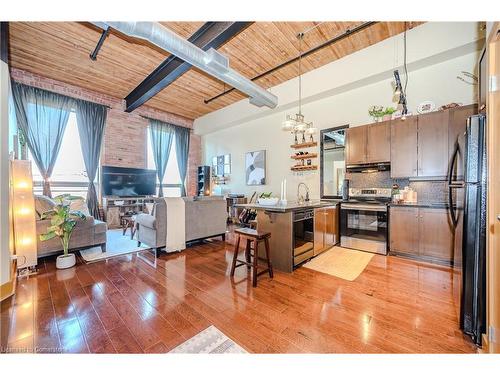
x: 300, y: 197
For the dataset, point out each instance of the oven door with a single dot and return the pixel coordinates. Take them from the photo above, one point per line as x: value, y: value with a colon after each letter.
x: 364, y: 227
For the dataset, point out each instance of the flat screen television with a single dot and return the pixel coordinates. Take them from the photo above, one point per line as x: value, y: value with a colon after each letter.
x: 128, y: 182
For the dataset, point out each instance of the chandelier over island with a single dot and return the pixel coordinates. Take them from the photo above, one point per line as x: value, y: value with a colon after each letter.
x: 297, y: 124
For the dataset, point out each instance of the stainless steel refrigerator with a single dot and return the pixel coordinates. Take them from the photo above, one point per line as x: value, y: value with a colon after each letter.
x: 467, y: 201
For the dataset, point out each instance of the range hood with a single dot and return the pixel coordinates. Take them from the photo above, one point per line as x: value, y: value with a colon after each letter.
x: 368, y: 168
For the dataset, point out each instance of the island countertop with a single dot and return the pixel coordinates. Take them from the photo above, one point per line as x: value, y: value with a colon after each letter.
x: 290, y: 206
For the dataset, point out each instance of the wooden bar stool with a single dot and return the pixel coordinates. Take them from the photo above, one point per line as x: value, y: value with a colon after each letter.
x: 255, y: 237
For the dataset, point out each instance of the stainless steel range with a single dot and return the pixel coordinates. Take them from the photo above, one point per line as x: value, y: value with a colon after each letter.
x: 364, y: 220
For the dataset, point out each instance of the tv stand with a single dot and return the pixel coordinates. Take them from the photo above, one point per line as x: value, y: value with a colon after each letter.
x: 118, y: 207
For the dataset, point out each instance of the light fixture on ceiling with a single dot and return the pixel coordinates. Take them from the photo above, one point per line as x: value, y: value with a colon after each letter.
x: 296, y: 124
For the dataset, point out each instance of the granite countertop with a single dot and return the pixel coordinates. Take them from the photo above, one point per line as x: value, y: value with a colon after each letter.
x: 421, y: 204
x: 290, y: 206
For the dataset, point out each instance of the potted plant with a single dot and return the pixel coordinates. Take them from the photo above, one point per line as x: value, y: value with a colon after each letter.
x: 376, y: 112
x: 62, y: 223
x: 388, y: 113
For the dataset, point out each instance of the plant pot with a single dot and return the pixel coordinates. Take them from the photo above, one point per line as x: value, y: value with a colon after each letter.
x: 387, y: 117
x: 65, y: 261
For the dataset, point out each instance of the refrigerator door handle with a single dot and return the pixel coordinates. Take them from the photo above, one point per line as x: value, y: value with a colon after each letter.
x: 452, y: 185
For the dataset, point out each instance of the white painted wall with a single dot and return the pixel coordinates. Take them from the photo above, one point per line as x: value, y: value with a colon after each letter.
x: 332, y: 100
x: 4, y: 175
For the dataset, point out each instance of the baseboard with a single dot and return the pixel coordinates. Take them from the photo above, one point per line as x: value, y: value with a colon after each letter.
x: 9, y: 288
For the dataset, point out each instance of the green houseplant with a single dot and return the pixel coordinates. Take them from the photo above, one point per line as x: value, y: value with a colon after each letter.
x: 376, y: 112
x: 388, y: 113
x: 62, y: 223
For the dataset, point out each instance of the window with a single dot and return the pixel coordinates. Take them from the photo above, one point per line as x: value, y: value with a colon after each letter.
x: 69, y: 175
x: 172, y: 178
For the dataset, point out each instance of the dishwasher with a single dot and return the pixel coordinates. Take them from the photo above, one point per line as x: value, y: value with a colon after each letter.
x: 303, y: 236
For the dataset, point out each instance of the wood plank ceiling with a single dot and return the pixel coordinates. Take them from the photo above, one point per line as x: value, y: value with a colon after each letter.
x: 60, y: 50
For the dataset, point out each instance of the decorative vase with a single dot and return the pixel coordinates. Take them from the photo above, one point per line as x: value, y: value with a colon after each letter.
x: 387, y: 117
x: 65, y: 261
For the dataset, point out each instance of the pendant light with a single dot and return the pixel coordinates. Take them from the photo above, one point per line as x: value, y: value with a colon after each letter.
x: 297, y: 125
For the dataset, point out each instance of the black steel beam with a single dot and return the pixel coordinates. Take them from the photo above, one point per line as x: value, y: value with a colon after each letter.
x: 210, y: 35
x: 4, y: 42
x: 93, y: 55
x: 335, y: 39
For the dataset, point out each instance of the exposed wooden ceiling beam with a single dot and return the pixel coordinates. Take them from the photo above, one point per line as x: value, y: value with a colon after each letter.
x: 210, y: 35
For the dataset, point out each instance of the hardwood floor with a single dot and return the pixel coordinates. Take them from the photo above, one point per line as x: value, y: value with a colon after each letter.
x: 125, y: 305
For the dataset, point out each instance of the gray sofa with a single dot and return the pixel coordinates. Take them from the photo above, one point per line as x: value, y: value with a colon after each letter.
x: 205, y: 217
x: 87, y: 233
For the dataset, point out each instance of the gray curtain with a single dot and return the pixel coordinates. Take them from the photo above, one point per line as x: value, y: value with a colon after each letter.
x: 182, y: 152
x: 91, y: 120
x: 42, y: 117
x: 162, y: 135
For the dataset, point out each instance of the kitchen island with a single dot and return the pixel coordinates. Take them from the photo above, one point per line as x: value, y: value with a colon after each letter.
x: 299, y: 231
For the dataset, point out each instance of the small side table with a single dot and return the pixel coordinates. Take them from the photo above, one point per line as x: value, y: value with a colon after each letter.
x: 128, y: 222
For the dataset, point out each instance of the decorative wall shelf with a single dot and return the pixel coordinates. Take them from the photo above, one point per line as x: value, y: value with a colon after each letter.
x: 304, y: 168
x: 304, y: 145
x: 307, y: 156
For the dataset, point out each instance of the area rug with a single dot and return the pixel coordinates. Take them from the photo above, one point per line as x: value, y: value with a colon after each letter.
x: 209, y: 341
x: 344, y: 263
x: 116, y: 244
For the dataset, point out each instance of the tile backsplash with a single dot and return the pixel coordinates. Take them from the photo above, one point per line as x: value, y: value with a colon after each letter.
x: 427, y: 191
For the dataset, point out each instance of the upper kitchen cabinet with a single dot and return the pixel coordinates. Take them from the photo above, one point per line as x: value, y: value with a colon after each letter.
x: 456, y: 131
x: 378, y: 146
x: 368, y: 144
x: 433, y: 155
x: 422, y: 146
x: 404, y: 147
x: 355, y: 145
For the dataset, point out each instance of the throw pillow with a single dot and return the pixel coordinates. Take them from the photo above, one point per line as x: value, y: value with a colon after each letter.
x: 43, y: 204
x: 79, y: 205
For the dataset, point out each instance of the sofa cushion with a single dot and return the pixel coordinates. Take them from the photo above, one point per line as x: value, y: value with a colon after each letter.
x: 88, y: 222
x: 100, y: 226
x: 146, y: 220
x: 43, y: 204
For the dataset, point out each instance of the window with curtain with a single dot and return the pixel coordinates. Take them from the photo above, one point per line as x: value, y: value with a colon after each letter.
x: 172, y: 179
x: 69, y: 175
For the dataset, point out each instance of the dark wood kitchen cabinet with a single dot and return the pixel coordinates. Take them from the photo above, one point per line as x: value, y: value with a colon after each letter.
x: 433, y: 155
x: 403, y: 230
x: 368, y: 144
x: 456, y: 130
x: 404, y: 142
x: 326, y: 228
x: 422, y: 146
x: 421, y: 233
x: 355, y: 145
x: 436, y: 235
x: 378, y: 142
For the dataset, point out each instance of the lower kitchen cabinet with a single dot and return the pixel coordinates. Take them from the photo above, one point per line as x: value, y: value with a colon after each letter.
x: 326, y: 228
x: 403, y: 230
x: 422, y: 233
x: 436, y: 235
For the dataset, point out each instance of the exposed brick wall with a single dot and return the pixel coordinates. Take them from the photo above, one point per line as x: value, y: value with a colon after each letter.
x: 124, y: 142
